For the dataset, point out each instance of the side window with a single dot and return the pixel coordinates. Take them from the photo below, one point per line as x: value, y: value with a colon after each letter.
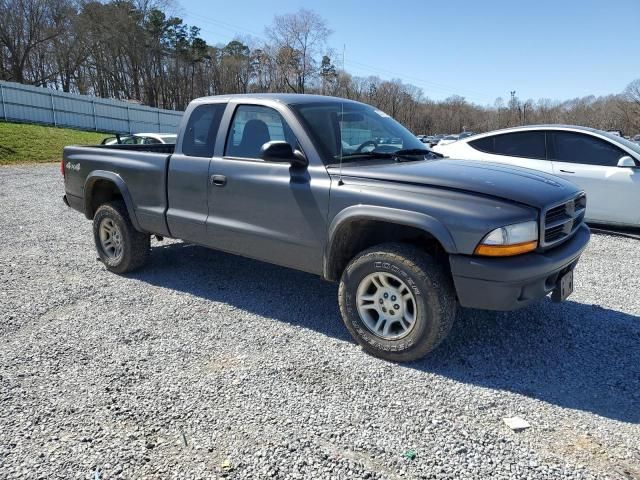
x: 484, y: 144
x: 521, y: 144
x: 580, y: 148
x: 202, y: 128
x: 252, y: 127
x: 518, y: 144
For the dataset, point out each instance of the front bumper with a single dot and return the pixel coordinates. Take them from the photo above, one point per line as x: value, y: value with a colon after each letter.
x: 514, y: 282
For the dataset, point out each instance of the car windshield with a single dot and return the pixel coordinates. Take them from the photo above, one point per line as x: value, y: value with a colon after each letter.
x: 352, y: 132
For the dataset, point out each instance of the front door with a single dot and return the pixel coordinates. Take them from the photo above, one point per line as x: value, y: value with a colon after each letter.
x: 266, y: 210
x: 613, y: 193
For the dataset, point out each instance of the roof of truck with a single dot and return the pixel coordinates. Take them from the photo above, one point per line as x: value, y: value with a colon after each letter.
x: 286, y: 98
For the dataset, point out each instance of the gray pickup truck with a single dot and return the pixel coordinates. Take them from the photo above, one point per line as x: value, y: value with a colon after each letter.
x: 341, y: 190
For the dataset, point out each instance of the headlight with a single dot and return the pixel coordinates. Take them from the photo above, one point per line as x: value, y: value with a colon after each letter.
x: 510, y: 240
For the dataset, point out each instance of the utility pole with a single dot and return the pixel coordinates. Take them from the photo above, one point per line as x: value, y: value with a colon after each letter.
x: 513, y: 106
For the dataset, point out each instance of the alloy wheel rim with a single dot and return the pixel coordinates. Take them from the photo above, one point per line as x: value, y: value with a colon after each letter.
x: 111, y: 239
x: 386, y: 305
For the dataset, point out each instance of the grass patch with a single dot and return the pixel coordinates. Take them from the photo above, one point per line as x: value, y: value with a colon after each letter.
x: 26, y: 143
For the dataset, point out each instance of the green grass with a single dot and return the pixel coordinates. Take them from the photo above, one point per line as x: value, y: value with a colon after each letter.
x: 26, y: 143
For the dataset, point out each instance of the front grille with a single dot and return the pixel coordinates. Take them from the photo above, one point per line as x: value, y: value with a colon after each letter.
x: 561, y: 221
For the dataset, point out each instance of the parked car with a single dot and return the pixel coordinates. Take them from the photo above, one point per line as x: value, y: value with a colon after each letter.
x: 142, y: 139
x: 448, y: 139
x: 409, y: 236
x: 606, y: 166
x: 465, y: 135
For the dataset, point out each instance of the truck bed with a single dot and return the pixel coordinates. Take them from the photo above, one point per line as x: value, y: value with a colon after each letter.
x: 140, y: 171
x: 167, y: 148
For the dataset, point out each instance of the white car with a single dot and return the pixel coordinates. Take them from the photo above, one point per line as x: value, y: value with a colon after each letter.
x: 142, y: 139
x: 606, y: 166
x: 448, y: 140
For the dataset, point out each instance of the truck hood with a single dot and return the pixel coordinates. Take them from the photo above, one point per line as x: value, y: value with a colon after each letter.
x: 522, y: 185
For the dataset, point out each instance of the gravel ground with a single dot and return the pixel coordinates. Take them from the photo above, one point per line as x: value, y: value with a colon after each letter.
x: 205, y: 365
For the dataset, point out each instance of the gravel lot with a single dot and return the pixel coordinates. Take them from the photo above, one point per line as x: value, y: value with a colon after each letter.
x: 205, y: 365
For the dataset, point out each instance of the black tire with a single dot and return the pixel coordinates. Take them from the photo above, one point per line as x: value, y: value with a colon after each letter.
x: 135, y: 245
x: 433, y: 294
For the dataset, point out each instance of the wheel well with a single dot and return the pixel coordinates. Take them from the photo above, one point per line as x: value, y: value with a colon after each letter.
x: 102, y: 191
x: 358, y: 235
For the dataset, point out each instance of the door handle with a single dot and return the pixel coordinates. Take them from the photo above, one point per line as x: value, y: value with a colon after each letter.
x: 566, y: 171
x: 218, y: 180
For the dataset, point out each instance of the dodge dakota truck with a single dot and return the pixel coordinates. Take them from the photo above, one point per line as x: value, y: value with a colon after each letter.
x: 338, y: 189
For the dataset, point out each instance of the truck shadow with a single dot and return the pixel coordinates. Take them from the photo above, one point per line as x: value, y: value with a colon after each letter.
x: 573, y: 355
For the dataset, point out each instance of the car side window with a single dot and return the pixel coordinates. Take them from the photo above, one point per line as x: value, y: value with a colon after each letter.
x: 200, y: 135
x: 252, y: 127
x: 517, y: 144
x: 576, y: 147
x: 484, y: 144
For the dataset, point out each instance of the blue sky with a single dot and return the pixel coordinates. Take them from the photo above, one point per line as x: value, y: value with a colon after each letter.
x: 478, y: 49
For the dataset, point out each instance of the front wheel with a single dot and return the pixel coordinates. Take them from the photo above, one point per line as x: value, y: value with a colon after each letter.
x: 397, y: 302
x: 120, y: 246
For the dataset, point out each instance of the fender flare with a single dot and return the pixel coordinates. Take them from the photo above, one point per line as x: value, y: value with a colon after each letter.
x: 114, y: 178
x: 408, y: 218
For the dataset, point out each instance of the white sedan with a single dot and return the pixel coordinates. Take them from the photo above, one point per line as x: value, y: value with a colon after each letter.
x: 142, y: 139
x: 449, y: 139
x: 606, y: 166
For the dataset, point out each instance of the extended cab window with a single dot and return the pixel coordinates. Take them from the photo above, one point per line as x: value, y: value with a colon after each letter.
x: 252, y: 127
x: 518, y: 144
x: 579, y: 148
x: 202, y: 128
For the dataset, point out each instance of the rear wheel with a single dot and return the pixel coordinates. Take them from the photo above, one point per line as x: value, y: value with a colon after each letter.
x: 397, y: 301
x: 120, y: 246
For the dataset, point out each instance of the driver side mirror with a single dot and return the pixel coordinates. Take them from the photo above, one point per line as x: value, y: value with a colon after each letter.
x: 282, y: 152
x: 627, y: 162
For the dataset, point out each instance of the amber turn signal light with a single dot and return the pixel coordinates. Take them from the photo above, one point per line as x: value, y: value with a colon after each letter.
x: 506, y: 250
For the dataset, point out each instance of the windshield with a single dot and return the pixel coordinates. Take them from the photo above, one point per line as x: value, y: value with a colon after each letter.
x: 352, y: 131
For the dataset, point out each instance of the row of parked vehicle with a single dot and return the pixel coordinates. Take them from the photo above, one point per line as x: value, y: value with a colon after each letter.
x: 441, y: 139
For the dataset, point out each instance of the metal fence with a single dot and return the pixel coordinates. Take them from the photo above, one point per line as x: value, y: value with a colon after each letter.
x: 24, y: 103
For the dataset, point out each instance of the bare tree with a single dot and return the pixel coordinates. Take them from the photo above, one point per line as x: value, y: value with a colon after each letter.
x: 26, y: 28
x: 299, y: 39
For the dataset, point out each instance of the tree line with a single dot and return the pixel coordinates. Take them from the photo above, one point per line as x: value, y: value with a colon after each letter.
x: 135, y: 50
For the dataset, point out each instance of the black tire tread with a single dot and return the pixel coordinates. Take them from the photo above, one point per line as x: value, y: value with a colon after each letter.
x: 139, y: 242
x: 421, y: 264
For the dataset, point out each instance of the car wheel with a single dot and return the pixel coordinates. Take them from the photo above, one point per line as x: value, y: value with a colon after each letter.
x: 120, y: 246
x: 397, y: 302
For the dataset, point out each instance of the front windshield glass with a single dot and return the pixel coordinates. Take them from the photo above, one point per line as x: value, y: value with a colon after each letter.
x: 352, y: 131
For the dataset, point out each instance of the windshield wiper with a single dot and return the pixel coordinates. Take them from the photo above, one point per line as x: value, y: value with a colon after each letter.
x: 406, y: 155
x: 409, y: 154
x: 372, y: 154
x: 412, y: 151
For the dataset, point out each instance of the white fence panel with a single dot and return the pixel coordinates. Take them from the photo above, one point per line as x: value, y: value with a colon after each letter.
x: 24, y: 103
